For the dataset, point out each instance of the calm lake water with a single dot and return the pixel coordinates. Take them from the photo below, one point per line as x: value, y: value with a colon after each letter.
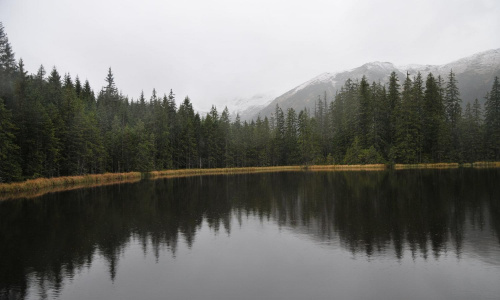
x: 304, y: 235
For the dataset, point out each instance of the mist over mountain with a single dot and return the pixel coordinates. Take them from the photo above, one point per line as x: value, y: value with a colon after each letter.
x: 249, y: 106
x: 474, y: 73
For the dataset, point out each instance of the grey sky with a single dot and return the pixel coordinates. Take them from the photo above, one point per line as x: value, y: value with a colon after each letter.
x: 216, y: 51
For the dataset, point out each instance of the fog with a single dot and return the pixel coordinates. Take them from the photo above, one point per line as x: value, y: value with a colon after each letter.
x: 219, y: 51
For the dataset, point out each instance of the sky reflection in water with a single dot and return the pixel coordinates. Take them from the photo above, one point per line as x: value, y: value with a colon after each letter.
x: 345, y: 235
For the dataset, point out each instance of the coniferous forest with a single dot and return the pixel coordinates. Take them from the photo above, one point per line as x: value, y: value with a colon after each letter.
x: 55, y: 125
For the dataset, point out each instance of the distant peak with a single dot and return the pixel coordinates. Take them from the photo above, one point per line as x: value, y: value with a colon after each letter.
x: 324, y: 77
x: 484, y: 55
x: 488, y: 52
x: 413, y: 67
x: 379, y: 64
x: 321, y: 78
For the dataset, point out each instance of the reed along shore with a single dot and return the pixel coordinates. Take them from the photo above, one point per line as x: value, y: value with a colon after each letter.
x: 39, y: 186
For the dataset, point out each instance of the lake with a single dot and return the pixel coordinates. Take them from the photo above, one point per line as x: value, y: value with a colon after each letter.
x: 413, y: 234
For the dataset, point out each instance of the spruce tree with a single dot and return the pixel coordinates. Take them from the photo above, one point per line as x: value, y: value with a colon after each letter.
x: 225, y: 135
x: 433, y: 121
x: 87, y: 93
x: 416, y: 108
x: 393, y: 99
x: 378, y: 129
x: 365, y: 112
x: 351, y: 111
x: 492, y: 121
x: 10, y: 169
x: 279, y: 137
x: 406, y: 148
x: 478, y: 137
x: 141, y: 143
x: 452, y: 101
x: 305, y: 138
x: 263, y: 141
x: 453, y: 113
x: 210, y: 145
x: 291, y: 148
x: 110, y: 87
x: 338, y: 124
x: 467, y: 133
x: 8, y: 69
x: 187, y: 150
x: 237, y: 138
x: 161, y: 131
x: 78, y: 87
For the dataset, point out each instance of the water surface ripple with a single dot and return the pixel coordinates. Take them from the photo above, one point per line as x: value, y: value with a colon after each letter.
x: 421, y: 234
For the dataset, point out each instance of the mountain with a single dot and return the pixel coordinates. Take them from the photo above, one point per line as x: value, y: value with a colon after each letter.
x: 248, y: 107
x: 475, y: 76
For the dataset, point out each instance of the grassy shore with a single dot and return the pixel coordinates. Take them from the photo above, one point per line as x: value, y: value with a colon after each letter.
x: 426, y: 166
x: 39, y: 186
x: 55, y: 189
x: 218, y: 171
x: 35, y: 186
x: 372, y: 167
x: 480, y: 164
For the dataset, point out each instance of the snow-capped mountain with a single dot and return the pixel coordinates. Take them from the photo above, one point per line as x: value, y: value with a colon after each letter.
x: 250, y: 106
x: 475, y: 76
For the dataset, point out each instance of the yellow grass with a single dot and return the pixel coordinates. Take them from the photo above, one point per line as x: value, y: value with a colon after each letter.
x: 372, y: 167
x: 54, y: 189
x: 218, y: 171
x: 486, y: 164
x: 85, y: 180
x: 480, y: 164
x: 426, y: 166
x: 39, y: 186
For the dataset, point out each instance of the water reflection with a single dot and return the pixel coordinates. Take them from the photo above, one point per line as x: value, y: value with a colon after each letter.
x: 49, y: 239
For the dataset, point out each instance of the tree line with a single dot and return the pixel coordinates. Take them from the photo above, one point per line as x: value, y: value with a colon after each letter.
x: 53, y: 125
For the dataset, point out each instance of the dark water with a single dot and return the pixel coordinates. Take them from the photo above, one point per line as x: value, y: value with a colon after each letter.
x: 352, y: 235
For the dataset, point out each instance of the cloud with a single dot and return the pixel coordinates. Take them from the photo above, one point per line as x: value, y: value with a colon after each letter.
x: 215, y: 51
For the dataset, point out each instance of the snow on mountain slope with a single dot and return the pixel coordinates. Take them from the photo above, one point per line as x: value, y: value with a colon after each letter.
x: 325, y: 77
x: 475, y: 75
x: 482, y: 63
x: 249, y: 106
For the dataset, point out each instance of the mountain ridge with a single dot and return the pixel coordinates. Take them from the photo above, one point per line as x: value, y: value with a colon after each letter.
x: 475, y: 74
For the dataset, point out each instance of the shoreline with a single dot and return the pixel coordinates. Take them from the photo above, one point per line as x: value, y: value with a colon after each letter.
x: 40, y: 186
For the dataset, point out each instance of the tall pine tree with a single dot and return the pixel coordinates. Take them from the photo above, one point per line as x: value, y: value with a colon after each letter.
x: 453, y: 113
x: 492, y: 121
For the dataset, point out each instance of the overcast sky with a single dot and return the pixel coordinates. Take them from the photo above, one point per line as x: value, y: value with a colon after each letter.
x: 216, y: 50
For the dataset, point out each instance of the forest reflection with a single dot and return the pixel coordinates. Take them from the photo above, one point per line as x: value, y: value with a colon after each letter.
x: 424, y: 212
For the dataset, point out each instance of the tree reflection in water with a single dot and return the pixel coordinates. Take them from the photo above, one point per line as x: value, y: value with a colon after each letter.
x: 428, y: 212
